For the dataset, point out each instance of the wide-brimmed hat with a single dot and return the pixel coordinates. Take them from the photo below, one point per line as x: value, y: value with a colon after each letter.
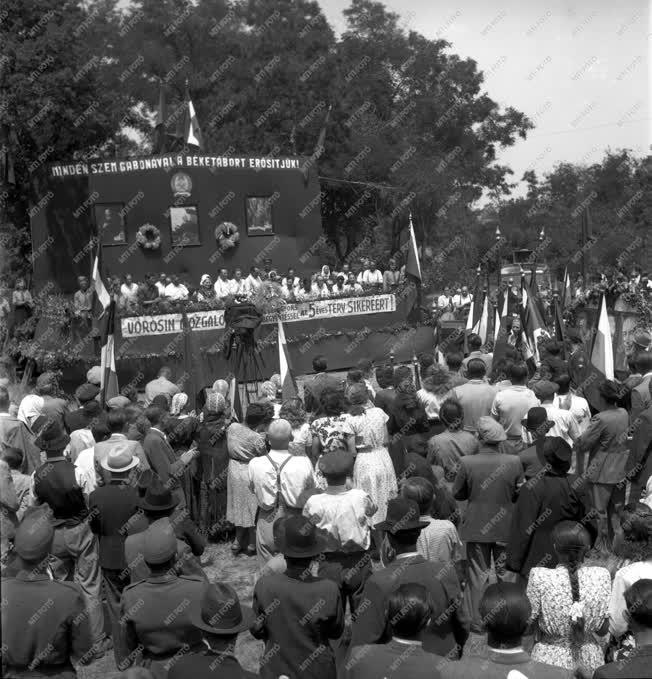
x: 545, y: 389
x: 402, y: 515
x: 219, y: 611
x: 119, y: 461
x: 537, y: 420
x: 301, y: 538
x: 557, y: 453
x: 158, y: 498
x: 489, y: 430
x: 52, y: 437
x: 642, y: 339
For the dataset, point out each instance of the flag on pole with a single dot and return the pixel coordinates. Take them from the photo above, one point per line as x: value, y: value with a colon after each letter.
x: 234, y: 397
x: 497, y: 325
x: 412, y: 266
x: 483, y: 324
x: 288, y: 384
x: 192, y: 134
x: 560, y: 330
x: 191, y: 367
x: 601, y: 359
x: 159, y: 125
x: 321, y: 140
x: 96, y: 276
x: 566, y: 292
x: 108, y: 375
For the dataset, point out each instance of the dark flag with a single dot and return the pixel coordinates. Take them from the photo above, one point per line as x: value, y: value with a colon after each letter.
x: 159, y: 128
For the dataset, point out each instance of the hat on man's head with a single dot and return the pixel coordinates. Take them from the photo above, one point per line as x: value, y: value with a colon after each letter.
x: 160, y: 543
x: 94, y: 375
x: 642, y: 339
x: 92, y: 408
x: 301, y: 539
x: 557, y: 453
x: 158, y: 497
x: 119, y: 461
x: 34, y: 534
x: 537, y: 420
x: 336, y: 463
x: 489, y: 430
x: 117, y: 402
x: 402, y: 515
x: 544, y: 390
x: 219, y: 611
x: 86, y: 392
x: 52, y: 437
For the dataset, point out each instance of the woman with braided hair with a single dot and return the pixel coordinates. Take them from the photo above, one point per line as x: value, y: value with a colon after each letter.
x: 570, y: 603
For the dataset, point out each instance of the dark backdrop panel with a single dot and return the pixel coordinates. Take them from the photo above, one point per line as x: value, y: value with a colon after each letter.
x: 61, y: 223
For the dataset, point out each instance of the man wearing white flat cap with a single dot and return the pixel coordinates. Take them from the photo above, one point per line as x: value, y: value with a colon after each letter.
x: 111, y: 507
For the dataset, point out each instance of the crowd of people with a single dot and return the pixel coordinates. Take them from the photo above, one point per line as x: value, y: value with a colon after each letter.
x: 397, y: 516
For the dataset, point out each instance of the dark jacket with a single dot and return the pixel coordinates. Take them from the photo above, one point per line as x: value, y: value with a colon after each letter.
x: 55, y: 483
x: 385, y: 399
x: 605, y: 440
x: 636, y: 666
x: 392, y: 660
x: 297, y: 617
x: 408, y: 428
x: 313, y: 388
x: 111, y: 507
x: 500, y: 665
x: 163, y: 462
x: 447, y: 628
x: 639, y: 462
x: 45, y: 619
x: 209, y: 665
x: 489, y: 481
x: 544, y: 501
x: 75, y: 419
x: 156, y: 613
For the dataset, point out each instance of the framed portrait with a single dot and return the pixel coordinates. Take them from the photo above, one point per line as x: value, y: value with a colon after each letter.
x: 110, y: 223
x: 184, y: 224
x: 259, y: 216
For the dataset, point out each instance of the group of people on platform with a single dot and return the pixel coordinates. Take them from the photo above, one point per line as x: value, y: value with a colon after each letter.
x: 437, y: 504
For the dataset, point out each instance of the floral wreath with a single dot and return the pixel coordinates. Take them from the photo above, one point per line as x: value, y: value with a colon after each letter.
x: 227, y: 235
x: 148, y: 237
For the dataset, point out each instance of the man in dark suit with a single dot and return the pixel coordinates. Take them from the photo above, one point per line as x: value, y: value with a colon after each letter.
x: 639, y: 462
x: 161, y: 457
x: 578, y: 362
x: 44, y: 621
x: 409, y: 610
x: 117, y: 423
x: 297, y: 613
x: 81, y: 418
x: 220, y: 618
x: 638, y: 665
x: 448, y: 629
x: 505, y: 612
x: 155, y: 614
x: 314, y: 387
x: 111, y: 507
x: 489, y: 481
x: 158, y: 506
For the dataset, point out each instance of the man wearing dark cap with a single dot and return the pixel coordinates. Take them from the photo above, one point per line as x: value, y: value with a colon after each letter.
x: 57, y: 483
x: 219, y: 617
x: 298, y: 613
x: 535, y: 429
x: 47, y: 387
x: 44, y: 623
x: 448, y: 628
x: 158, y: 505
x: 489, y: 480
x: 551, y: 496
x: 564, y: 424
x: 78, y: 419
x: 343, y: 516
x: 505, y: 611
x: 111, y: 507
x: 578, y: 362
x: 155, y: 613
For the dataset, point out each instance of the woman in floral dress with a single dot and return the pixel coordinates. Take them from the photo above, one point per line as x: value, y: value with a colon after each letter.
x: 332, y: 430
x: 570, y: 603
x: 373, y: 471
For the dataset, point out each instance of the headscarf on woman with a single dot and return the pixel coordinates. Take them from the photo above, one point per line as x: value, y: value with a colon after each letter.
x: 31, y: 407
x: 179, y: 402
x: 205, y: 280
x: 215, y: 402
x: 268, y: 390
x: 221, y: 387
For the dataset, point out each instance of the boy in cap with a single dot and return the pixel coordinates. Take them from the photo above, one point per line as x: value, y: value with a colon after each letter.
x: 342, y: 517
x: 297, y: 613
x: 111, y: 507
x: 44, y: 622
x: 155, y: 614
x: 447, y: 630
x: 535, y: 428
x: 220, y: 618
x: 489, y: 480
